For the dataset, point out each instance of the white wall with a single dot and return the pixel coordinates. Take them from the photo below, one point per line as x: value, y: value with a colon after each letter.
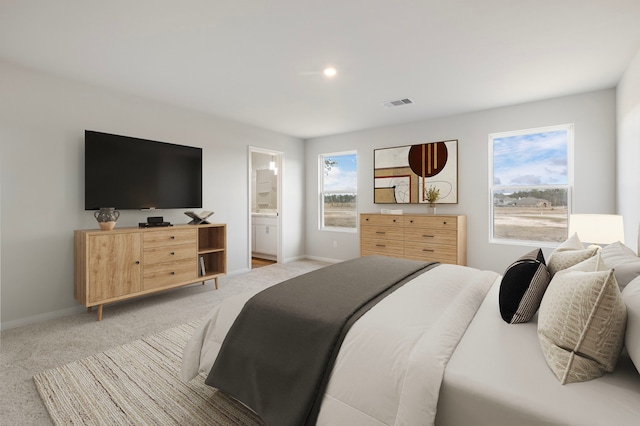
x: 628, y: 154
x: 42, y: 123
x: 593, y: 115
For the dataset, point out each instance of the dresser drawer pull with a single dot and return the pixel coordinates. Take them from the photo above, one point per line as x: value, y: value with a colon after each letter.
x: 429, y: 250
x: 172, y: 273
x: 173, y: 253
x: 380, y: 232
x: 428, y: 236
x: 380, y: 245
x: 173, y: 237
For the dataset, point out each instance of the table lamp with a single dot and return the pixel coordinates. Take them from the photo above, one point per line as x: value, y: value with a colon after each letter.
x: 597, y: 228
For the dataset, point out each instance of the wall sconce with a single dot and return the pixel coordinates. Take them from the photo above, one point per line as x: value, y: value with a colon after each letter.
x: 597, y: 228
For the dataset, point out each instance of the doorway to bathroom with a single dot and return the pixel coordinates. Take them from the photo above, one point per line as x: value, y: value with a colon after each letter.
x: 265, y: 198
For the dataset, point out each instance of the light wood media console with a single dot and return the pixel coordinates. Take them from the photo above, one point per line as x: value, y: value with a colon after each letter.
x: 123, y: 263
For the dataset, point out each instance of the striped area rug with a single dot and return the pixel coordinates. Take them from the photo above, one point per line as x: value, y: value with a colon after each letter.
x: 137, y: 384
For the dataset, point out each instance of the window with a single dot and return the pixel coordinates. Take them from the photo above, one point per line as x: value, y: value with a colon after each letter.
x: 530, y: 174
x: 338, y: 191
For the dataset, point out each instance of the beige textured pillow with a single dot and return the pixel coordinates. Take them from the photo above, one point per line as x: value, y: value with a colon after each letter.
x: 581, y: 324
x: 569, y: 253
x: 593, y: 264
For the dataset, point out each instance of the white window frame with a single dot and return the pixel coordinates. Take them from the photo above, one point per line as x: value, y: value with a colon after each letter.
x: 322, y: 192
x: 569, y: 128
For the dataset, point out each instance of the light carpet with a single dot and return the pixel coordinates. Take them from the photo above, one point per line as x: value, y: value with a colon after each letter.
x: 137, y: 384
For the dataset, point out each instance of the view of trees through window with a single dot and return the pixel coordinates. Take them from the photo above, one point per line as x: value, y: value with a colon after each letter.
x: 531, y: 178
x: 339, y: 208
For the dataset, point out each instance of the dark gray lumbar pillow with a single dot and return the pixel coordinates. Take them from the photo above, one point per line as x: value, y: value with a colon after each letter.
x: 522, y: 287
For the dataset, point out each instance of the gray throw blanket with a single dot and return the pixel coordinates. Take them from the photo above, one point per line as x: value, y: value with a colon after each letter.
x: 278, y: 355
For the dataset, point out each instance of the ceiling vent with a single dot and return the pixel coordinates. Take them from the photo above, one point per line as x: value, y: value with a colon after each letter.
x: 399, y: 102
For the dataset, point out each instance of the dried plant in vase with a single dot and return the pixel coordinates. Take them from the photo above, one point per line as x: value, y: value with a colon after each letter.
x: 432, y: 195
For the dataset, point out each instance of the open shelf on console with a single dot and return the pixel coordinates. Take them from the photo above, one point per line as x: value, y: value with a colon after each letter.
x: 212, y: 250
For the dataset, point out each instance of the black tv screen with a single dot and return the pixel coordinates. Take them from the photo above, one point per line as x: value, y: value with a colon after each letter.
x: 130, y: 173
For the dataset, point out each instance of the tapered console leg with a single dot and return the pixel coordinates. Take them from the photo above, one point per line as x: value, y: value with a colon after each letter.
x: 99, y: 312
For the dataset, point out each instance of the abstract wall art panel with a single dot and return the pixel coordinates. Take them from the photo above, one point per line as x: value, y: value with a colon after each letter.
x: 402, y: 174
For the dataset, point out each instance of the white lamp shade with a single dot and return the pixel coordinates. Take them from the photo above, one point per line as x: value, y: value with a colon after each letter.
x: 597, y: 228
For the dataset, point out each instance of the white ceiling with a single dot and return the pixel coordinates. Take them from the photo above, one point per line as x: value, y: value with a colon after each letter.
x: 259, y: 61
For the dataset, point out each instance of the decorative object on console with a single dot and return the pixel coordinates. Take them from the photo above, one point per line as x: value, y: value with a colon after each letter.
x: 597, y: 228
x: 402, y: 174
x: 106, y: 217
x: 522, y: 287
x: 199, y: 218
x: 154, y: 221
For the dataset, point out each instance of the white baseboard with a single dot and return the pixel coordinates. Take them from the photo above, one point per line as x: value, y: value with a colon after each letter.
x: 238, y: 272
x: 41, y: 318
x: 324, y: 259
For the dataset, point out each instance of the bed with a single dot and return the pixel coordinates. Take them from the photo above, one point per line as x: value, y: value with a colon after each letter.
x: 436, y: 351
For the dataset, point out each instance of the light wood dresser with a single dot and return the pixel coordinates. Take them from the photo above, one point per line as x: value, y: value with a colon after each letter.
x: 123, y: 263
x: 427, y: 237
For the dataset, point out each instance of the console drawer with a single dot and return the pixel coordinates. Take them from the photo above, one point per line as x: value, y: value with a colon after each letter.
x: 166, y: 237
x: 169, y: 273
x: 169, y: 253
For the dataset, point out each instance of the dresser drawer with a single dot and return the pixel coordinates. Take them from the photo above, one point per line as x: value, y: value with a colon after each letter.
x: 433, y: 222
x: 166, y: 237
x: 381, y: 220
x: 382, y: 232
x: 393, y: 248
x: 169, y: 253
x: 430, y: 235
x: 430, y: 252
x: 169, y: 273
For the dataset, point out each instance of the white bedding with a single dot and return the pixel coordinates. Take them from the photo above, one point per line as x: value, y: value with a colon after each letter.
x: 499, y: 376
x: 391, y: 363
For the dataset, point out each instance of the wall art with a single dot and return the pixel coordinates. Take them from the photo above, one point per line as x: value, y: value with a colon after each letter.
x: 403, y: 174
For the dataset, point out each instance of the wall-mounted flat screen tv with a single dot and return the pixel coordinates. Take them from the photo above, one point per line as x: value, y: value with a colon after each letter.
x: 130, y: 173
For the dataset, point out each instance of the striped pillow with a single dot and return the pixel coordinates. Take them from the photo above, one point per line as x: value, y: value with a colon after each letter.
x: 522, y: 287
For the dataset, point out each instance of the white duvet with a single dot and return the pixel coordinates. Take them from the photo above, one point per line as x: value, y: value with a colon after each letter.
x: 390, y: 366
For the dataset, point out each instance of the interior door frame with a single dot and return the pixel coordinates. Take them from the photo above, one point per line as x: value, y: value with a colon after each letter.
x: 278, y: 160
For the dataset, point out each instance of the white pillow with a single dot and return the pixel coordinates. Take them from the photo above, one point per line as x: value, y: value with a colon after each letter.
x: 623, y: 260
x: 631, y: 298
x: 581, y: 323
x: 569, y: 253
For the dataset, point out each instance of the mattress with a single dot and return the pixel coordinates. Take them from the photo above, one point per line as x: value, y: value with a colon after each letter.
x: 498, y: 376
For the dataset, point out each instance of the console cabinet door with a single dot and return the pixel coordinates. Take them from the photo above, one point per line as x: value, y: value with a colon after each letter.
x: 114, y: 265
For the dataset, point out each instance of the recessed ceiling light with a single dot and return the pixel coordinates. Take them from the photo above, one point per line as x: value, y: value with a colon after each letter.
x: 330, y: 72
